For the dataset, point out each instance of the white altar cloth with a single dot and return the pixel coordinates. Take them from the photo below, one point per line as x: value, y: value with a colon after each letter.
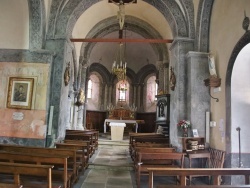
x: 117, y: 130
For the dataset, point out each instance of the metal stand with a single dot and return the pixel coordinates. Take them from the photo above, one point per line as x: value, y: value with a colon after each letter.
x: 240, y: 162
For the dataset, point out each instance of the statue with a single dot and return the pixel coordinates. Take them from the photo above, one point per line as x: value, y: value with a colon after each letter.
x: 67, y: 74
x: 121, y: 12
x: 80, y: 98
x: 172, y: 79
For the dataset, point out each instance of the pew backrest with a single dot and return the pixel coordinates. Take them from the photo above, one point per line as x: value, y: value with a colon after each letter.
x: 26, y: 169
x: 214, y: 172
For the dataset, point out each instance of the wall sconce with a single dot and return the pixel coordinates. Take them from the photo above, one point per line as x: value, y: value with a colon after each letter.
x: 213, y: 81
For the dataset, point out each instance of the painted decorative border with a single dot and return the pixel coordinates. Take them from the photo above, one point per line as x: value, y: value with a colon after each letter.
x: 20, y: 92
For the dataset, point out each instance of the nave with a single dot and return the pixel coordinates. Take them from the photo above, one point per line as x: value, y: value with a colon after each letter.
x: 112, y: 167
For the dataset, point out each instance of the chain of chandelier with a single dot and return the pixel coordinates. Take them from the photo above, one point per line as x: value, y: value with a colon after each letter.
x: 120, y: 65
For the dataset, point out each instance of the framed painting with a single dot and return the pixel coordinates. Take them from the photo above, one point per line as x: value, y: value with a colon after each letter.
x: 195, y: 133
x: 20, y: 92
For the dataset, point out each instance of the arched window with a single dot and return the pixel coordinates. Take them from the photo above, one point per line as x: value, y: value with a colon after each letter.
x: 122, y: 92
x: 89, y: 93
x: 151, y: 91
x: 122, y: 88
x: 94, y: 93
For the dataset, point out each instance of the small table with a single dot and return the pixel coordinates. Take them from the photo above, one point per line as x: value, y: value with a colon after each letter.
x: 198, y: 154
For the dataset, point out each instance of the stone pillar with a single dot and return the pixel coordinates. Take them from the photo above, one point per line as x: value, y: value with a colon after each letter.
x: 178, y: 104
x: 110, y: 94
x: 135, y: 95
x: 166, y: 76
x: 161, y: 76
x: 103, y: 101
x: 197, y: 102
x: 106, y: 103
x: 58, y: 91
x: 81, y: 110
x: 140, y: 97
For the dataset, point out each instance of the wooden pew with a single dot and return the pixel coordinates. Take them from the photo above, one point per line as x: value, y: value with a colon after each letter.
x: 185, y: 172
x: 6, y: 185
x: 132, y: 136
x: 81, y: 149
x: 82, y: 137
x: 160, y: 139
x: 203, y: 186
x: 87, y: 143
x: 151, y: 150
x: 94, y: 135
x: 17, y: 169
x: 70, y: 173
x: 156, y: 160
x: 34, y: 158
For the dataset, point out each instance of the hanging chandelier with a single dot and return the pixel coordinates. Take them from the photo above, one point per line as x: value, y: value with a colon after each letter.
x: 119, y: 66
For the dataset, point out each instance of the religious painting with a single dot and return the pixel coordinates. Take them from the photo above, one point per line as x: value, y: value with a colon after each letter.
x: 20, y: 93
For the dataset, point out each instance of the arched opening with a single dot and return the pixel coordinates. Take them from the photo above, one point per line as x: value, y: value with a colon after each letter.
x: 150, y: 92
x: 94, y: 88
x: 240, y: 100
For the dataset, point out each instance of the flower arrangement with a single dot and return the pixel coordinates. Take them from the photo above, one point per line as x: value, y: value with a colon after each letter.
x: 184, y: 124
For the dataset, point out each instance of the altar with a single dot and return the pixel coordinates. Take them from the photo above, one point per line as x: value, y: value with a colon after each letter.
x: 126, y: 121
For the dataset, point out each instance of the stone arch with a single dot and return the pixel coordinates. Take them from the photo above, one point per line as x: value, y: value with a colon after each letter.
x: 110, y: 25
x: 244, y: 40
x: 188, y: 7
x: 202, y: 25
x: 37, y: 24
x: 62, y: 25
x: 144, y: 72
x: 103, y: 71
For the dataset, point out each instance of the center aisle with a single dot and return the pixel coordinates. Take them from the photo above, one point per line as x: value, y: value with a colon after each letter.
x: 110, y: 166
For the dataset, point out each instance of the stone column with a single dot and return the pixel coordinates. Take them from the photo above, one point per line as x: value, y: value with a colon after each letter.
x: 178, y: 104
x: 81, y: 110
x: 106, y: 103
x: 103, y: 101
x: 135, y: 95
x: 161, y: 76
x: 166, y: 76
x: 58, y: 92
x: 197, y: 102
x: 140, y: 97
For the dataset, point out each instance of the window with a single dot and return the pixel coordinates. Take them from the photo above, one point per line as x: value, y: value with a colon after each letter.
x: 89, y: 93
x: 122, y: 91
x: 152, y: 88
x: 156, y: 90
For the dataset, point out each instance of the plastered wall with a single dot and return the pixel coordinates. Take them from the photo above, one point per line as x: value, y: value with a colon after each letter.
x: 225, y: 31
x: 30, y: 123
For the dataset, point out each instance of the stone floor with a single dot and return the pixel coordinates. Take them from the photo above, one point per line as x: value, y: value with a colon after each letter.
x: 111, y: 167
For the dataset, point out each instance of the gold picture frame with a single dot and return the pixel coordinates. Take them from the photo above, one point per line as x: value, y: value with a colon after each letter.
x: 20, y: 92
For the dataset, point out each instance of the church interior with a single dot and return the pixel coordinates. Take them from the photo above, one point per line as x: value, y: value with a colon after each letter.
x: 163, y: 73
